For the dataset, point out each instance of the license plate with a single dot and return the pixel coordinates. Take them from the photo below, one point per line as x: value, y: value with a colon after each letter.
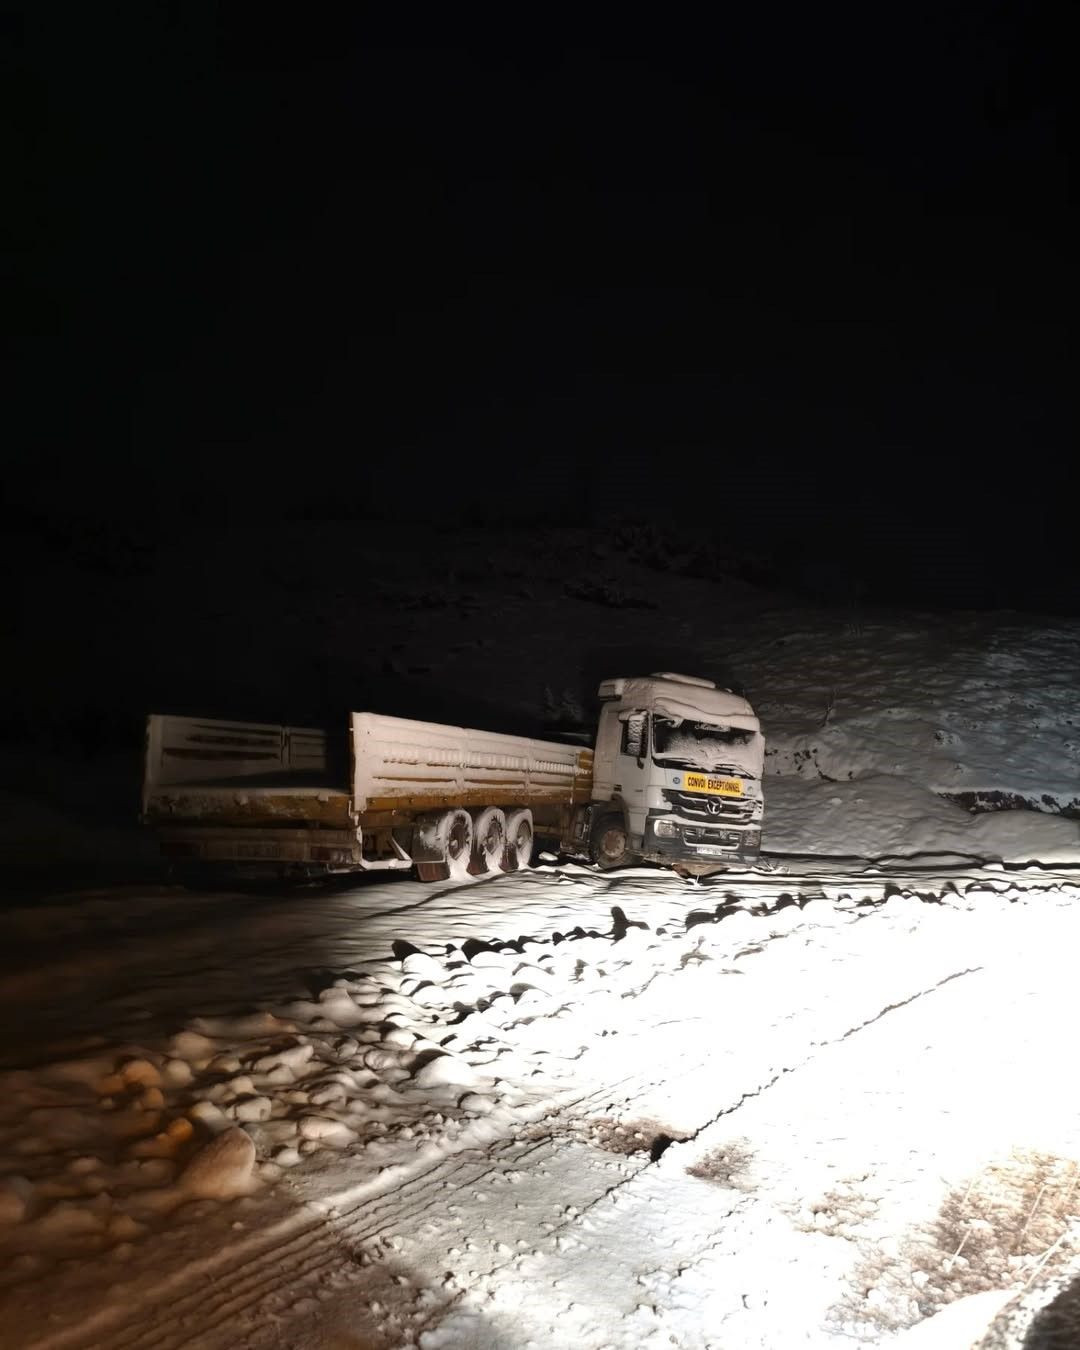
x: 720, y: 787
x: 710, y: 850
x: 258, y: 850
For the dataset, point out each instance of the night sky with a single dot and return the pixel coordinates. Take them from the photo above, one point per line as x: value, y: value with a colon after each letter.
x: 797, y: 278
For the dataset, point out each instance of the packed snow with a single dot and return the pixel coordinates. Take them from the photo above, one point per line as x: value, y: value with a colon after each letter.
x: 824, y: 1101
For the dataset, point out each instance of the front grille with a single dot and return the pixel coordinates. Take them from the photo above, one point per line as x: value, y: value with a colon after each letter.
x: 698, y: 806
x: 697, y: 834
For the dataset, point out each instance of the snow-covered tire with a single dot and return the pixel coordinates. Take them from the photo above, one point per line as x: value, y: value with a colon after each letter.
x: 442, y: 845
x: 489, y: 840
x: 455, y: 834
x: 610, y: 845
x: 519, y: 840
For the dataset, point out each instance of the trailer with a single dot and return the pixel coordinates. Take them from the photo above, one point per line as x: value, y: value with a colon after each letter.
x: 447, y: 800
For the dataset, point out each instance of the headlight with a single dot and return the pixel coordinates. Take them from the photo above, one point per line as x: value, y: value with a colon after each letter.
x: 666, y: 829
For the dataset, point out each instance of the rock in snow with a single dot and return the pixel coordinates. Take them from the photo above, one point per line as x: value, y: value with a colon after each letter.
x: 15, y: 1196
x: 446, y: 1071
x: 222, y: 1169
x: 327, y: 1130
x: 477, y: 1104
x: 253, y: 1109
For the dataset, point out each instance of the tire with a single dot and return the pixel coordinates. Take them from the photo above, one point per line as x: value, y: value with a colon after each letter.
x: 456, y: 835
x: 443, y: 840
x: 609, y: 844
x: 489, y: 840
x: 519, y: 841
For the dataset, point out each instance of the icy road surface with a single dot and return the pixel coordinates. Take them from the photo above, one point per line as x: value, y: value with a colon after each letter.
x: 555, y: 1109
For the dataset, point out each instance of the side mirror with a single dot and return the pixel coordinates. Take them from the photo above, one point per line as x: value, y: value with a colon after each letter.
x: 636, y: 736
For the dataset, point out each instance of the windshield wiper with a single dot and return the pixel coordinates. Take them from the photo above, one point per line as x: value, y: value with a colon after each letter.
x: 731, y: 769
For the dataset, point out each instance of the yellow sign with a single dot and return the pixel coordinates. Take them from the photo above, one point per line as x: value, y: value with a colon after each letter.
x: 722, y: 787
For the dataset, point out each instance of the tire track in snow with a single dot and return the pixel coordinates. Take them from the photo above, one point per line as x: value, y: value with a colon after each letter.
x: 628, y: 1190
x: 251, y: 1272
x: 273, y: 1271
x: 317, y: 1247
x: 290, y: 1249
x: 246, y: 1278
x: 313, y: 1243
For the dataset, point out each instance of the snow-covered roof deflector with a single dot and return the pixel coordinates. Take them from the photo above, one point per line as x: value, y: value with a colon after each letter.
x: 681, y: 696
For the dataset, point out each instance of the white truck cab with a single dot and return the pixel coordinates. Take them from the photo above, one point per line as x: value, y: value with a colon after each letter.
x: 679, y: 761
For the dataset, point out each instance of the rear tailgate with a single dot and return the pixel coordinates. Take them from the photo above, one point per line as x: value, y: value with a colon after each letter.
x: 205, y: 771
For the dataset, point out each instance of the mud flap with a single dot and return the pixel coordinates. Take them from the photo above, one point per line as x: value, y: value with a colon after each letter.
x: 399, y: 864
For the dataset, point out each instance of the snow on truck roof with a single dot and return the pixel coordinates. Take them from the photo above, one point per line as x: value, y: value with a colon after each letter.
x: 683, y: 696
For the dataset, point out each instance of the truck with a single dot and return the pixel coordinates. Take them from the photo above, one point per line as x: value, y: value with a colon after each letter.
x: 674, y: 777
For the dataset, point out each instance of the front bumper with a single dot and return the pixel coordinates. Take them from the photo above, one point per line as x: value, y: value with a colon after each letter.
x: 692, y: 842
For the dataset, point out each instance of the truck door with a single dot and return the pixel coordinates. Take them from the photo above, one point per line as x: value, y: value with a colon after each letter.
x: 605, y: 770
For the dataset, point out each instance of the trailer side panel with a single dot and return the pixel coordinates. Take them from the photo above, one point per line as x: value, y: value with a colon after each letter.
x: 404, y: 765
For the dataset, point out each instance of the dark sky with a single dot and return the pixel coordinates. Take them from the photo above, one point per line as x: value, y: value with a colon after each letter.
x: 801, y: 271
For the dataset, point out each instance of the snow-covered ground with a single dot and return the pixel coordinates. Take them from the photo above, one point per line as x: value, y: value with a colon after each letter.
x: 561, y: 1108
x: 972, y: 706
x: 826, y: 1101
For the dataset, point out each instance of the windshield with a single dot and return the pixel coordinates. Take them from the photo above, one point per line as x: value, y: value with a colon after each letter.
x: 700, y: 745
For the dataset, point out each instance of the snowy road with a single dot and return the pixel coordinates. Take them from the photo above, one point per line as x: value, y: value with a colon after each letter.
x: 160, y: 955
x: 553, y: 1109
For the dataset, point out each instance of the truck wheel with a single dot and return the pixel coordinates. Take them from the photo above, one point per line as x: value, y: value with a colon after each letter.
x: 489, y: 840
x: 609, y: 842
x: 456, y: 836
x: 519, y: 841
x: 431, y: 871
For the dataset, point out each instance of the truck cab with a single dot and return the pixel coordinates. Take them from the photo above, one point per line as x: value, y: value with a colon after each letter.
x: 676, y: 774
